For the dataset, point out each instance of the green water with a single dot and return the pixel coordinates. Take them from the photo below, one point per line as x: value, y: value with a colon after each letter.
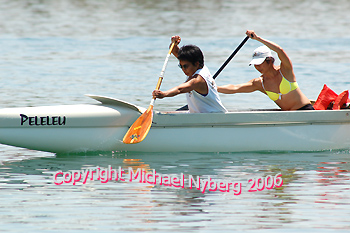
x: 314, y: 194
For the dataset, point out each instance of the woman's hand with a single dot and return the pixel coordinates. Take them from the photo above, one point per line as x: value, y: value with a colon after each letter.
x: 251, y: 34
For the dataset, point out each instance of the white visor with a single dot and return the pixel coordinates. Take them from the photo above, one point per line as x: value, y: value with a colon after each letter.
x: 260, y: 54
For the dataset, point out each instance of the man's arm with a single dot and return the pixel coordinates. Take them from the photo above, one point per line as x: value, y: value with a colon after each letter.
x: 197, y: 83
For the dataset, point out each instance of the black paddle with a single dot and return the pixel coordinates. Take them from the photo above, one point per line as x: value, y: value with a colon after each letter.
x: 223, y: 66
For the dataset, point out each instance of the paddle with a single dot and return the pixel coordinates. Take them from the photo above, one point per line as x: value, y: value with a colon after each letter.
x: 230, y: 57
x: 139, y: 130
x: 223, y: 65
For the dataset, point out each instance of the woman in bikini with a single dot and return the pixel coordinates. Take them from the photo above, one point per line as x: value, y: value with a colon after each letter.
x: 277, y: 82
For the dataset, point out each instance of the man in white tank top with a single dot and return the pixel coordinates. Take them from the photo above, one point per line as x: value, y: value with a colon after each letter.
x: 200, y: 88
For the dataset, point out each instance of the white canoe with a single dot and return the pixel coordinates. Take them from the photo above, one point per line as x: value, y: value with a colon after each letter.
x: 101, y: 127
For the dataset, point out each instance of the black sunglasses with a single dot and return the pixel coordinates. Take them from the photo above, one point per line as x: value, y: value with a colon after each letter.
x: 183, y: 66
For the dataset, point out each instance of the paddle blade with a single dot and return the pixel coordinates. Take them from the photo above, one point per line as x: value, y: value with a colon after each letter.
x: 139, y: 130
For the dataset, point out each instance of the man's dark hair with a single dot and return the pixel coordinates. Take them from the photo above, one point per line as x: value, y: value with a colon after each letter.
x: 191, y: 53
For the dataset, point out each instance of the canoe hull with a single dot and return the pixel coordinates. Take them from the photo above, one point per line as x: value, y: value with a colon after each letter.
x: 262, y: 138
x: 101, y: 127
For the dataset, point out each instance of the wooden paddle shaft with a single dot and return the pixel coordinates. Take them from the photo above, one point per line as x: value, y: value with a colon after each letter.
x: 159, y: 83
x: 164, y: 66
x: 163, y: 70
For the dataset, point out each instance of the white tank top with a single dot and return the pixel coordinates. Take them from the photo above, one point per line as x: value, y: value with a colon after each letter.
x: 198, y: 103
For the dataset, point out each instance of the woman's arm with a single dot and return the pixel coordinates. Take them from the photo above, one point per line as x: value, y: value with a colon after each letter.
x: 251, y: 86
x: 286, y: 63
